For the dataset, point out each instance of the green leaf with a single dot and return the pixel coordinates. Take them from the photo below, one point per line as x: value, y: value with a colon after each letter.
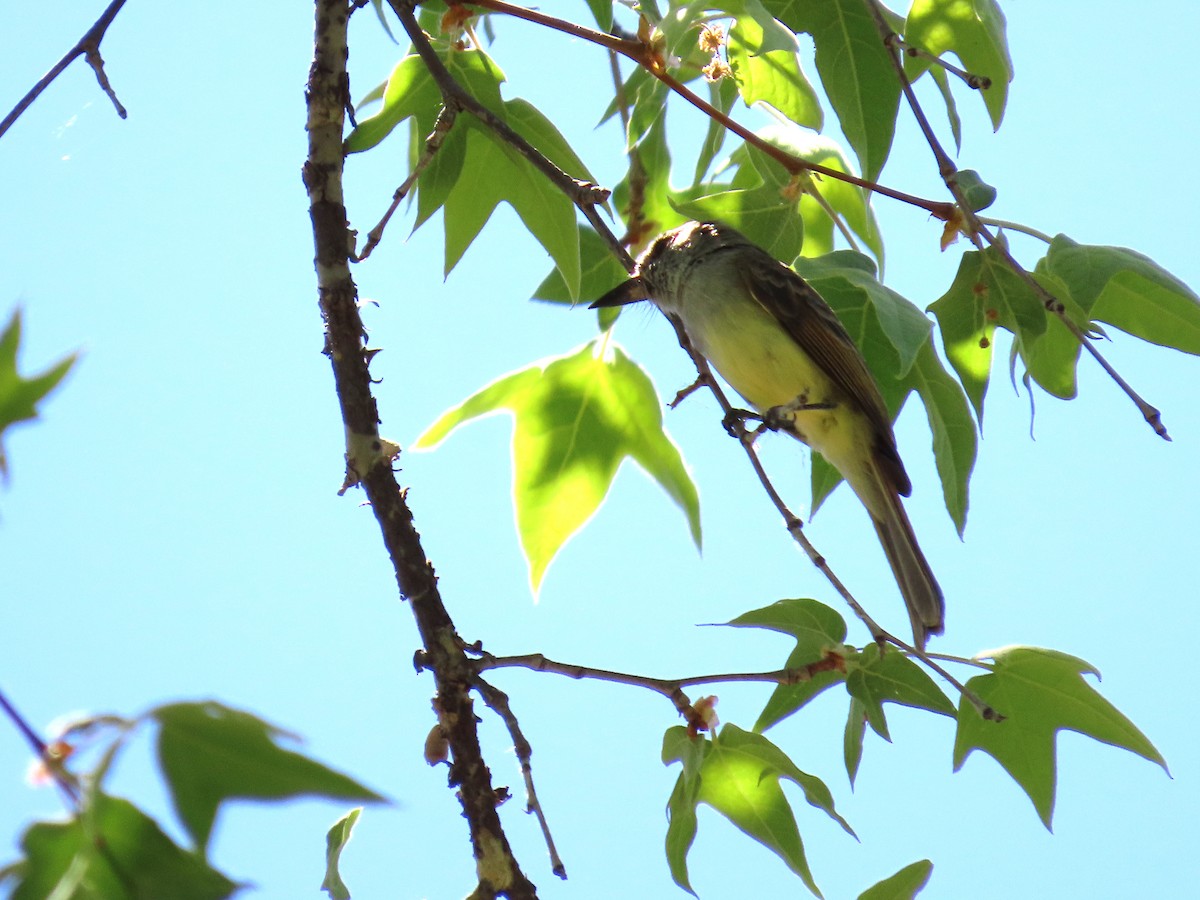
x: 599, y: 273
x: 410, y: 89
x: 762, y: 54
x: 974, y: 31
x: 852, y: 738
x: 577, y: 417
x: 847, y: 201
x: 335, y: 842
x: 79, y: 859
x: 1040, y: 692
x: 942, y: 80
x: 955, y: 442
x: 855, y: 71
x: 19, y: 396
x: 491, y: 175
x: 739, y: 776
x: 874, y: 678
x: 979, y: 194
x: 987, y: 293
x: 210, y: 753
x: 721, y: 94
x: 817, y: 630
x: 1127, y: 290
x: 904, y: 885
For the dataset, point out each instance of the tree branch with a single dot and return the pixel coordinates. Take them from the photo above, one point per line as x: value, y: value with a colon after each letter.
x: 368, y: 457
x: 977, y: 232
x: 89, y: 47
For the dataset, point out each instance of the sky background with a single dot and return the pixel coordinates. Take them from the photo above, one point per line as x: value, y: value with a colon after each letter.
x: 171, y: 528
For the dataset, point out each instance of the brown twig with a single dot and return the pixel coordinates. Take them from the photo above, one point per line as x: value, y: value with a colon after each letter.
x: 672, y: 688
x: 88, y: 47
x: 977, y: 232
x: 49, y: 759
x: 433, y: 143
x: 974, y: 82
x: 497, y: 701
x: 368, y: 457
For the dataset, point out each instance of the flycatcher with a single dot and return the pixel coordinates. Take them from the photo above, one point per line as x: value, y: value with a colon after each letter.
x: 780, y: 346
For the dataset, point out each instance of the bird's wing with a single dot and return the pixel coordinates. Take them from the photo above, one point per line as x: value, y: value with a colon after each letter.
x: 806, y: 316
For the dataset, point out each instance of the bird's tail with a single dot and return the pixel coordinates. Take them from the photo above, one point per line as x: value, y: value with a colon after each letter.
x: 919, y: 588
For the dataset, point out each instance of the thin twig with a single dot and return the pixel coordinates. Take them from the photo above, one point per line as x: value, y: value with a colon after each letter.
x: 433, y: 143
x: 977, y: 232
x: 1016, y: 226
x: 668, y: 687
x: 42, y: 751
x: 974, y: 82
x: 89, y: 47
x: 497, y: 701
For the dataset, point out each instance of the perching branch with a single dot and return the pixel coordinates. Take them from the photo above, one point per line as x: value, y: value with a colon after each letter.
x: 977, y: 232
x: 369, y: 457
x: 88, y: 47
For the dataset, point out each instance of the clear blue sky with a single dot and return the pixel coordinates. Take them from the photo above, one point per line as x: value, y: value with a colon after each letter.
x: 171, y: 528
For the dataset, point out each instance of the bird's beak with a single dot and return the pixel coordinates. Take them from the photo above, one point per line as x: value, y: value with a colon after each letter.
x: 627, y: 292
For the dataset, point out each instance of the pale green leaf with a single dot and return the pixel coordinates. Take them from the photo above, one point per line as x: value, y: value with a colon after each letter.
x: 904, y: 885
x: 763, y: 56
x: 975, y: 32
x: 576, y: 417
x: 336, y: 840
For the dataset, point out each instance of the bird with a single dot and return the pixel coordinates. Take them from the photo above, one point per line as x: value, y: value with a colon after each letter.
x: 776, y: 341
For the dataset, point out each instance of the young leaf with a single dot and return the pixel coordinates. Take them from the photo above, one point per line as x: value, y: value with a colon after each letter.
x: 1040, y: 692
x: 855, y: 72
x: 973, y: 30
x: 210, y: 753
x: 763, y: 56
x: 599, y: 272
x: 576, y: 418
x: 335, y: 842
x: 739, y: 777
x: 111, y: 851
x: 904, y: 885
x: 19, y: 396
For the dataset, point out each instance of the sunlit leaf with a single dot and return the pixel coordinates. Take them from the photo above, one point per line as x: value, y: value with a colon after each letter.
x: 336, y: 840
x: 765, y: 65
x: 576, y: 418
x: 975, y: 32
x: 904, y: 885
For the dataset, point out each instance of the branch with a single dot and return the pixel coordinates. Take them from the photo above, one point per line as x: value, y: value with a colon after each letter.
x: 975, y: 229
x: 50, y: 755
x: 368, y: 456
x: 647, y: 56
x: 497, y: 701
x: 89, y: 47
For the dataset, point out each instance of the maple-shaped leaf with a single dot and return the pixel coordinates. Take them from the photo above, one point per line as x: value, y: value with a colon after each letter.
x: 1040, y: 692
x: 19, y: 396
x: 738, y: 773
x: 576, y: 418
